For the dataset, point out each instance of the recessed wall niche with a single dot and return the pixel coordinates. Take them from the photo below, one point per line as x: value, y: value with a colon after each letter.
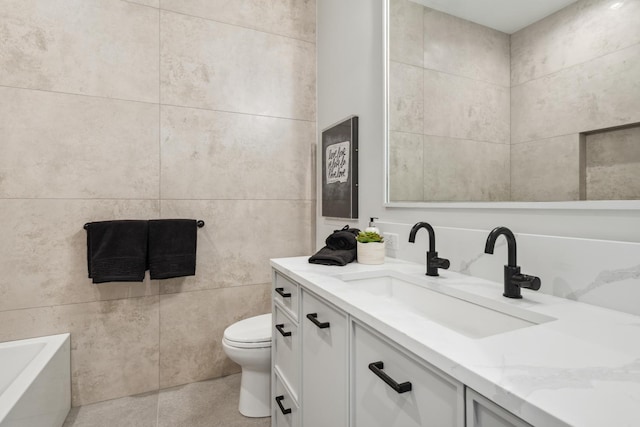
x: 612, y: 163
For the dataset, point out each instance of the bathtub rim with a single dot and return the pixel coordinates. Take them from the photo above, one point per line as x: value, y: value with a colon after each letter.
x: 21, y: 384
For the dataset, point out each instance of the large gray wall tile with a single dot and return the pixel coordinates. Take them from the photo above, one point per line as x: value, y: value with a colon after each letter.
x: 43, y: 256
x: 261, y: 73
x: 239, y: 238
x: 405, y: 32
x: 191, y: 328
x: 465, y: 170
x: 580, y: 32
x: 58, y: 145
x: 601, y: 93
x: 613, y: 165
x: 92, y: 47
x: 406, y: 98
x: 456, y: 46
x: 114, y: 344
x: 546, y: 170
x: 459, y: 107
x: 406, y: 167
x: 296, y: 19
x: 217, y: 155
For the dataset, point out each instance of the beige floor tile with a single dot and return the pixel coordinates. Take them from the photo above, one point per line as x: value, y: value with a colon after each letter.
x: 133, y: 411
x: 205, y: 404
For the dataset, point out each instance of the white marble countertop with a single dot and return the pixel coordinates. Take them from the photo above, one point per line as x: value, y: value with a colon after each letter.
x: 582, y: 369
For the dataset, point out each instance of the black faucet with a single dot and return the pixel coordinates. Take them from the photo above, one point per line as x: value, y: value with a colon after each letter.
x: 513, y: 279
x: 433, y: 262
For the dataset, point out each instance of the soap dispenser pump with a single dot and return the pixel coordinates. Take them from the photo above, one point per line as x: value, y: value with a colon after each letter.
x: 372, y: 226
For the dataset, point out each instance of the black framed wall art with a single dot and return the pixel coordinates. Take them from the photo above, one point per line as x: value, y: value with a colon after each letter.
x: 340, y: 169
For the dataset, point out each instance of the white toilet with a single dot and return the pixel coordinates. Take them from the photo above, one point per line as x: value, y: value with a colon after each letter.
x: 248, y: 343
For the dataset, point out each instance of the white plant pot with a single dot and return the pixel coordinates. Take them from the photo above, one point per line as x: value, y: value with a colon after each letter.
x: 371, y: 253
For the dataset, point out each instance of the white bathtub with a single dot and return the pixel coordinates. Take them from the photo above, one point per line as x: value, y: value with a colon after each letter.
x: 35, y: 382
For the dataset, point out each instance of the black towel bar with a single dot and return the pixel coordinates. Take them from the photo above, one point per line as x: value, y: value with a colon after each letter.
x: 199, y: 223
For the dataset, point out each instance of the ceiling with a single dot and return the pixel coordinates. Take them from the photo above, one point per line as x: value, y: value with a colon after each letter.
x: 507, y: 16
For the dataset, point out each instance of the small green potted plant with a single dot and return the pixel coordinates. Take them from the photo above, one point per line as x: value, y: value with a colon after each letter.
x: 370, y: 247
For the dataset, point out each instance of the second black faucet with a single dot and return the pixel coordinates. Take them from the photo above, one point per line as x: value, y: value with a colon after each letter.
x: 513, y: 279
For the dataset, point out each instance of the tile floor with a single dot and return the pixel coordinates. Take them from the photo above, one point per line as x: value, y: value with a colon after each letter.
x: 212, y: 403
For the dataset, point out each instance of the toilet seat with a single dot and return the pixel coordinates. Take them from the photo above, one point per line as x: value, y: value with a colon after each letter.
x: 254, y: 332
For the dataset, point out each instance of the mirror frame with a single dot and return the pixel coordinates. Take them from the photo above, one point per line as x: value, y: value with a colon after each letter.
x: 387, y: 203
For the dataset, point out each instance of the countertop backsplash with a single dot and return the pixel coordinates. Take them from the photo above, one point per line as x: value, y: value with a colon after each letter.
x: 599, y: 272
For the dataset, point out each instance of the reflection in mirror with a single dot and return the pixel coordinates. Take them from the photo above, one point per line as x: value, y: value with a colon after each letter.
x: 548, y: 113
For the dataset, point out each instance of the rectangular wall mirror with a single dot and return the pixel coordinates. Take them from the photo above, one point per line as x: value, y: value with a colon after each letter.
x: 536, y: 104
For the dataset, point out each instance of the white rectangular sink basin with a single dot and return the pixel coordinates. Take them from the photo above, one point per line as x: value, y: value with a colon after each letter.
x: 465, y: 313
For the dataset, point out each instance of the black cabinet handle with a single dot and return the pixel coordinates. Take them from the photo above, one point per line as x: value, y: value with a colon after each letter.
x: 280, y: 329
x: 279, y: 400
x: 313, y: 318
x: 283, y: 293
x: 376, y: 368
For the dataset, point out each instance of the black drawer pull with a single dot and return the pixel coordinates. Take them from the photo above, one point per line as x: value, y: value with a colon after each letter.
x: 280, y: 329
x: 376, y: 368
x: 283, y: 293
x: 314, y: 318
x: 279, y: 400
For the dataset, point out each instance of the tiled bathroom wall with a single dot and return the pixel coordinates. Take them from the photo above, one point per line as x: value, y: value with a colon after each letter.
x: 444, y: 106
x: 511, y: 109
x: 151, y: 109
x: 574, y: 71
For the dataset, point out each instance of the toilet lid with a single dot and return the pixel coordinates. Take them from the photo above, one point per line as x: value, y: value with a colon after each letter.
x: 252, y: 330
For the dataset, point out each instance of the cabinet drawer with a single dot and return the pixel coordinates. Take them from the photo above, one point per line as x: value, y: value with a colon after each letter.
x: 421, y: 397
x: 286, y: 293
x: 286, y: 349
x: 285, y: 411
x: 481, y: 412
x: 325, y: 375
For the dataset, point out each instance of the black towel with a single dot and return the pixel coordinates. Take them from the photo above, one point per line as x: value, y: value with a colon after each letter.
x: 343, y: 239
x: 117, y: 250
x: 172, y: 248
x: 328, y: 256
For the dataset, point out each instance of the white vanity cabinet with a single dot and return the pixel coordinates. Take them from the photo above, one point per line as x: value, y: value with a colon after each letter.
x: 392, y: 389
x: 325, y: 376
x: 331, y: 369
x: 481, y: 412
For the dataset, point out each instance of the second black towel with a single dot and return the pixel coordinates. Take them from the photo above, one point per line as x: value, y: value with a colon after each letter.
x: 172, y: 248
